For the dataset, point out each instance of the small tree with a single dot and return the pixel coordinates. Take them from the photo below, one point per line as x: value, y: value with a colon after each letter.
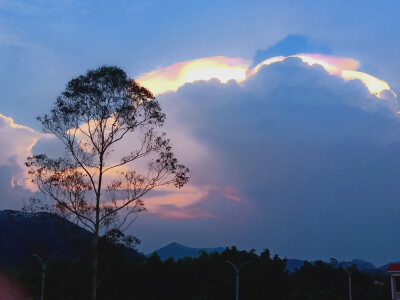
x: 88, y: 184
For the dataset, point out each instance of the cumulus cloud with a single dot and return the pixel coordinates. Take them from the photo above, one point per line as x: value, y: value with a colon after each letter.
x: 313, y: 157
x: 17, y: 142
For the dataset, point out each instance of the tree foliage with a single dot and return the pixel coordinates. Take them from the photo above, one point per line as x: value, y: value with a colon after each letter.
x: 100, y: 114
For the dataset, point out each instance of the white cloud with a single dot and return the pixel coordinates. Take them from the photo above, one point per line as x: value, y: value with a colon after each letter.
x: 17, y: 142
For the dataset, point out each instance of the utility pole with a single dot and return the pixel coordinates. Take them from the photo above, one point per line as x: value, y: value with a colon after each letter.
x: 349, y: 272
x: 237, y: 275
x: 350, y: 297
x: 44, y: 267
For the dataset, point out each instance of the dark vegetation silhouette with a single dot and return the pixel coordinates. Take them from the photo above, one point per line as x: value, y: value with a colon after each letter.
x: 206, y: 277
x: 92, y: 117
x: 127, y: 274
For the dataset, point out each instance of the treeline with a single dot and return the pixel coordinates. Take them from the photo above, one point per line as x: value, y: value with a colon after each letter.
x: 207, y: 277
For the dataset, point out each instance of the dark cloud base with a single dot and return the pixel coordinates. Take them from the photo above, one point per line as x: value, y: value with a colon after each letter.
x: 314, y: 157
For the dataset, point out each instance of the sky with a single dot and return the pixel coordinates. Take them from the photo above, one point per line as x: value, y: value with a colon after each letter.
x: 285, y: 112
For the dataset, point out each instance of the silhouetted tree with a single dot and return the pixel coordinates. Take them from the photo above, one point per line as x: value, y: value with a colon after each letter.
x: 206, y: 277
x: 91, y: 117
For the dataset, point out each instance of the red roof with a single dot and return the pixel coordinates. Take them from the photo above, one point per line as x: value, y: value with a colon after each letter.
x: 394, y: 268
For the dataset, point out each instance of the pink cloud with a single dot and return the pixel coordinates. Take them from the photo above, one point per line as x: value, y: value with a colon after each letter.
x: 182, y: 204
x: 172, y: 77
x: 232, y: 194
x: 186, y: 213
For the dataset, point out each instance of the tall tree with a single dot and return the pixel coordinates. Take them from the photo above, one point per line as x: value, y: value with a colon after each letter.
x: 92, y: 117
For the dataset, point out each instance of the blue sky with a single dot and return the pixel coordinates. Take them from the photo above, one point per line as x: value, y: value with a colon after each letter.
x: 312, y: 158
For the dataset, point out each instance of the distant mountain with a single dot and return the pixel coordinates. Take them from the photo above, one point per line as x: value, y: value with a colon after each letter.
x: 362, y: 265
x: 178, y: 251
x: 24, y: 234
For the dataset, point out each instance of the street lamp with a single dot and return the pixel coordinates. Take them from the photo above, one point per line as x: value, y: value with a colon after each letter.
x: 349, y: 272
x: 44, y: 267
x: 350, y: 296
x: 237, y: 275
x: 44, y: 264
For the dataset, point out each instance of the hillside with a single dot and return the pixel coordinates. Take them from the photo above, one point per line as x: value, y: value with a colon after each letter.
x: 362, y: 265
x: 24, y: 234
x: 44, y: 234
x: 177, y: 251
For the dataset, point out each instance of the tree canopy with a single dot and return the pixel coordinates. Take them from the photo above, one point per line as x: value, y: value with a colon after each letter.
x: 100, y: 182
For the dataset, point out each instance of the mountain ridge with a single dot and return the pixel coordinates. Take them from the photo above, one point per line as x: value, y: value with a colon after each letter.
x: 24, y: 234
x: 178, y: 251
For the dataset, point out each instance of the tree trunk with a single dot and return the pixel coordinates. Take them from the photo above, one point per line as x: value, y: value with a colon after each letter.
x: 96, y: 232
x: 94, y: 264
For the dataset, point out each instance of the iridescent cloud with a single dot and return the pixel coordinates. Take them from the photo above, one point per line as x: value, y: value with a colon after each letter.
x: 172, y: 77
x: 345, y: 68
x: 225, y: 68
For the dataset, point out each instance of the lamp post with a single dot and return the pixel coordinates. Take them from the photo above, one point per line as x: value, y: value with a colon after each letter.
x: 237, y: 275
x: 44, y: 264
x: 44, y: 267
x: 350, y: 297
x: 349, y: 272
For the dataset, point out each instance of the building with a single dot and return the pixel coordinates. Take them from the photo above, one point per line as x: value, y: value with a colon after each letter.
x: 394, y: 271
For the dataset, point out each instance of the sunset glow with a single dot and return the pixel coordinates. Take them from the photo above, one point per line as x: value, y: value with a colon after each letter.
x: 180, y: 204
x: 339, y: 66
x: 226, y: 68
x: 172, y: 77
x: 374, y: 84
x: 332, y: 64
x: 266, y: 62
